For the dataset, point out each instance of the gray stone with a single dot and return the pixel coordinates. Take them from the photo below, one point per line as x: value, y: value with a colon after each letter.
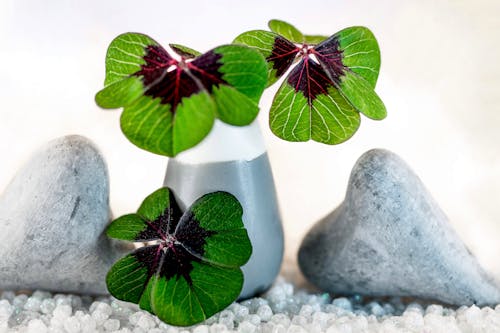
x: 251, y: 181
x: 52, y: 218
x: 390, y: 238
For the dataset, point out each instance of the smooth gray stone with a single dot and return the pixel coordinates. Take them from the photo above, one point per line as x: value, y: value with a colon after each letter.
x: 251, y: 182
x: 390, y: 238
x: 52, y: 218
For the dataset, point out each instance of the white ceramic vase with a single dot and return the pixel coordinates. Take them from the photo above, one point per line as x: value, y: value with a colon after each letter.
x: 234, y: 159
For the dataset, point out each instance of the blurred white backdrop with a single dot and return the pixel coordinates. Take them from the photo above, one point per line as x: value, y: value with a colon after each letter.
x: 440, y: 81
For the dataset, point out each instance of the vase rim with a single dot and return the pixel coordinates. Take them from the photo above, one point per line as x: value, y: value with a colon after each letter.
x: 227, y: 143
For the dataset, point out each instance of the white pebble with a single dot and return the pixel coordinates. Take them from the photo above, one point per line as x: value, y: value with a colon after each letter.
x: 62, y: 299
x: 111, y: 325
x: 376, y: 309
x: 388, y: 309
x: 281, y: 318
x: 278, y: 328
x: 227, y: 318
x: 254, y: 319
x: 33, y: 304
x: 281, y: 310
x: 472, y: 314
x: 139, y: 330
x: 201, y: 329
x: 299, y: 320
x: 124, y: 330
x: 264, y: 312
x: 134, y: 318
x: 247, y: 327
x: 296, y: 329
x: 72, y: 325
x: 62, y: 311
x: 36, y: 326
x: 306, y: 310
x: 240, y: 311
x: 88, y: 324
x: 215, y: 328
x: 342, y: 303
x: 100, y: 312
x: 6, y: 310
x: 48, y: 305
x: 146, y: 322
x: 434, y: 308
x: 41, y: 295
x: 19, y: 301
x: 156, y: 330
x: 414, y: 320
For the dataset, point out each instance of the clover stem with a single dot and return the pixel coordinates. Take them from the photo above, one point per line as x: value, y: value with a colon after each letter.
x: 170, y: 242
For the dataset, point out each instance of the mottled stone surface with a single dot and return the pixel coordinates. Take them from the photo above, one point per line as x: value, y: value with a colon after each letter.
x: 389, y: 237
x: 52, y: 218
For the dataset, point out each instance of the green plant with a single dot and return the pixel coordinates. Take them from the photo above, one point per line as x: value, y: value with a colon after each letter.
x: 192, y: 268
x: 170, y: 101
x: 333, y: 82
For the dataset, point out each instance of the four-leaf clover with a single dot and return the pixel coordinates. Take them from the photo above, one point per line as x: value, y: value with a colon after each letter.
x: 333, y: 82
x: 190, y: 267
x: 171, y: 99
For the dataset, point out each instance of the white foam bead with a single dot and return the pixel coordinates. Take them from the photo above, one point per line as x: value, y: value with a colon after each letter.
x: 72, y: 325
x: 111, y: 325
x: 254, y: 315
x: 36, y: 326
x: 62, y: 311
x: 33, y: 304
x: 264, y: 312
x: 146, y: 322
x: 48, y: 305
x: 201, y: 329
x: 246, y: 327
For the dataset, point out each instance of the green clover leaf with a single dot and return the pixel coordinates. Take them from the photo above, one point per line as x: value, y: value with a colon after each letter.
x: 170, y: 101
x: 332, y: 82
x: 192, y: 270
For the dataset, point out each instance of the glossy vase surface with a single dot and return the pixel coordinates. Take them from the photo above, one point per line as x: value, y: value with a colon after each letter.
x: 234, y: 159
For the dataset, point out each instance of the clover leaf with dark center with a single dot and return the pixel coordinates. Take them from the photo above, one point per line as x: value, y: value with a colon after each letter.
x: 171, y: 99
x: 333, y: 81
x: 190, y: 267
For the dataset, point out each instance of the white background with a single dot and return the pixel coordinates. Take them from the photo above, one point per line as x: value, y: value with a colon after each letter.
x: 440, y: 81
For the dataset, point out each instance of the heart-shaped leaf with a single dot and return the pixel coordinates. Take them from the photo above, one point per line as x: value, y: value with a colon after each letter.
x: 193, y: 269
x: 333, y: 82
x: 286, y: 30
x: 170, y: 101
x: 314, y: 39
x: 278, y: 51
x: 293, y: 34
x: 184, y: 51
x: 360, y: 52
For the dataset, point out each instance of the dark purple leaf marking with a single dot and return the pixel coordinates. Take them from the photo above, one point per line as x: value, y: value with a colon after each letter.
x: 309, y: 78
x: 321, y: 67
x: 171, y: 80
x: 164, y: 224
x: 148, y: 257
x: 329, y: 56
x: 282, y: 55
x: 205, y: 68
x: 181, y: 241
